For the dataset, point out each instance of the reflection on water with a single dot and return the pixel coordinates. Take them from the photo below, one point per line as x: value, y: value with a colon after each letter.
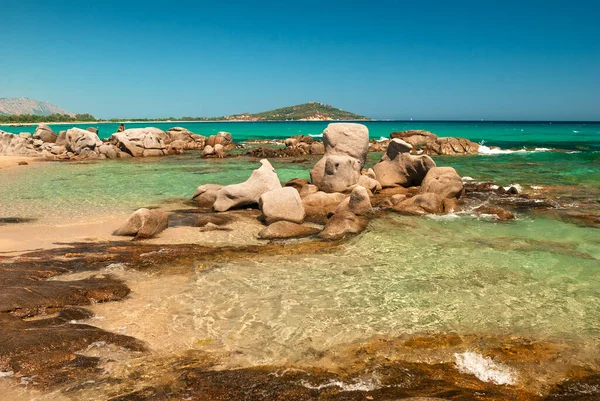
x: 403, y: 276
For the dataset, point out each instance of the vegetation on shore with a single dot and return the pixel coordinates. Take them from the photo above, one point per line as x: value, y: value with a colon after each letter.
x: 312, y: 111
x: 51, y: 118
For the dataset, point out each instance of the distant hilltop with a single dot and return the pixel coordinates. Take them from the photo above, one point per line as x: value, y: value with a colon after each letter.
x: 311, y: 111
x: 24, y: 105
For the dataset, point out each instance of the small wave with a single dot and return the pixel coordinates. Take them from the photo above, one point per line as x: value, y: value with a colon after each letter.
x: 576, y: 132
x: 382, y: 139
x: 484, y: 368
x: 316, y: 135
x: 518, y: 187
x: 486, y: 150
x: 573, y: 151
x: 467, y: 178
x: 370, y: 384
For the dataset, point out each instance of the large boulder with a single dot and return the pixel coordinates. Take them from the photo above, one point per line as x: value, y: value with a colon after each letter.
x: 282, y: 204
x: 414, y: 137
x: 443, y: 181
x: 206, y: 194
x: 263, y: 179
x: 346, y: 144
x: 287, y: 229
x: 398, y: 167
x: 81, y: 141
x: 428, y: 143
x: 144, y: 223
x: 222, y: 138
x: 343, y: 224
x: 140, y: 142
x: 45, y: 133
x: 420, y: 204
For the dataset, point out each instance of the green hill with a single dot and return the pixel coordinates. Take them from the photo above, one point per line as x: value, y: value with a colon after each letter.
x: 307, y: 111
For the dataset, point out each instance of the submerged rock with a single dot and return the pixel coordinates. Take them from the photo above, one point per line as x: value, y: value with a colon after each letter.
x: 263, y: 179
x: 343, y: 224
x: 287, y: 229
x: 144, y: 223
x: 420, y: 204
x: 322, y: 203
x: 358, y: 203
x: 500, y: 213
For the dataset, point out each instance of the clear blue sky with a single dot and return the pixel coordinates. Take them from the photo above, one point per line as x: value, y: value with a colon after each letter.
x: 421, y: 59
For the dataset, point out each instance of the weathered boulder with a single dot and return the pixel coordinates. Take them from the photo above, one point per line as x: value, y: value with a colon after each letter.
x: 443, y: 181
x: 322, y: 203
x: 183, y: 139
x: 206, y: 194
x: 420, y: 204
x: 222, y: 138
x: 343, y: 224
x: 78, y: 140
x: 347, y: 145
x: 219, y: 151
x: 287, y: 229
x: 369, y: 183
x: 45, y: 133
x: 450, y: 205
x: 398, y: 168
x: 414, y: 137
x: 62, y: 138
x: 282, y: 204
x: 108, y: 150
x: 290, y: 142
x: 92, y: 130
x: 317, y: 148
x: 359, y: 202
x: 428, y: 143
x: 144, y: 223
x: 307, y: 190
x: 263, y: 179
x: 340, y: 174
x: 140, y: 142
x: 208, y: 151
x: 397, y: 146
x: 297, y: 183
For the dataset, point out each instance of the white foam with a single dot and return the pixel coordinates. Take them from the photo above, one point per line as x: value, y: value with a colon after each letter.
x: 467, y: 178
x: 485, y: 150
x: 316, y: 135
x: 382, y: 139
x: 536, y: 187
x: 518, y: 187
x: 7, y: 374
x: 484, y: 368
x: 573, y: 151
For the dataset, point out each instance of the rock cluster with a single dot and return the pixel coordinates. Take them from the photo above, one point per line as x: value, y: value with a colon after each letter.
x: 77, y: 143
x: 428, y: 143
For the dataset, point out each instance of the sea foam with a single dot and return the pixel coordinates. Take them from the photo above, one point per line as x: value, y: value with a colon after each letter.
x: 484, y: 368
x: 485, y: 150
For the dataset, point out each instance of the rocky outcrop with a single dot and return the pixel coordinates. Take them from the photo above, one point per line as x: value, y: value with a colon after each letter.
x: 144, y: 223
x: 80, y: 141
x: 343, y: 224
x: 44, y: 133
x: 140, y: 142
x: 282, y: 204
x: 398, y: 167
x: 287, y: 229
x: 180, y: 139
x: 428, y: 143
x: 346, y: 146
x: 263, y: 179
x: 206, y: 194
x: 443, y: 181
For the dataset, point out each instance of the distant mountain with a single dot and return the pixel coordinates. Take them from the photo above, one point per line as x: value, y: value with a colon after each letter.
x: 312, y: 111
x: 24, y: 105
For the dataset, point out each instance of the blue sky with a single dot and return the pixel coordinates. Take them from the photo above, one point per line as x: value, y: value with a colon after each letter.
x: 515, y: 60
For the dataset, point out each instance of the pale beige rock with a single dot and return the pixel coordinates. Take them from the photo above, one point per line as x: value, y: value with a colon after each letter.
x: 322, y: 203
x: 263, y: 179
x: 45, y: 133
x: 140, y: 142
x: 420, y: 204
x: 144, y: 223
x: 282, y: 204
x: 404, y: 170
x: 443, y: 181
x: 206, y: 194
x: 78, y: 139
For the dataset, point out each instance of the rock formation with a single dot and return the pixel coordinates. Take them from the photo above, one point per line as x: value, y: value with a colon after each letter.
x: 346, y: 146
x: 140, y: 142
x: 261, y: 180
x: 398, y: 167
x: 144, y: 223
x: 282, y: 204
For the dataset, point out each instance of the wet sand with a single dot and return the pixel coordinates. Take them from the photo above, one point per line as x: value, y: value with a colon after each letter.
x: 9, y: 162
